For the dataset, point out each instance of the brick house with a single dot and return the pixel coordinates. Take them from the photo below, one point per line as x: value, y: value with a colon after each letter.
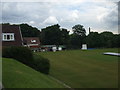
x: 32, y: 42
x: 11, y: 35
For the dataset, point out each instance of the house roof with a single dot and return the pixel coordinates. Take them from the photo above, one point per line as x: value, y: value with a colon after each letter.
x: 6, y: 28
x: 31, y: 40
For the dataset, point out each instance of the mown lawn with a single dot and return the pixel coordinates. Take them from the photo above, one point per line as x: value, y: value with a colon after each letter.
x: 0, y: 69
x: 18, y: 75
x: 84, y: 69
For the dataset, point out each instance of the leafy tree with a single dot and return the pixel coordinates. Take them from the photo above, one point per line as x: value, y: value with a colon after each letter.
x: 93, y: 40
x: 65, y: 36
x: 116, y: 40
x: 51, y: 35
x: 79, y: 30
x: 106, y: 39
x: 77, y: 38
x: 75, y: 41
x: 54, y: 35
x: 29, y: 31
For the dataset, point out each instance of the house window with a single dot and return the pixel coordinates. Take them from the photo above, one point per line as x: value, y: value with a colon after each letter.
x: 8, y: 37
x: 33, y: 41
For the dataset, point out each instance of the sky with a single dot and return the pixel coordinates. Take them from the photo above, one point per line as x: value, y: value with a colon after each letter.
x: 100, y: 15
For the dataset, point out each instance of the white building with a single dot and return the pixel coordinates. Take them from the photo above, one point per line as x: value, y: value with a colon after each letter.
x: 84, y: 47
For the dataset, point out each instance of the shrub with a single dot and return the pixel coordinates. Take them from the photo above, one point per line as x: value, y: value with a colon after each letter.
x: 41, y: 64
x: 25, y: 56
x: 21, y: 54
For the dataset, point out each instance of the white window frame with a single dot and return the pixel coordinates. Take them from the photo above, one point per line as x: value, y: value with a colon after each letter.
x: 33, y: 41
x: 11, y: 37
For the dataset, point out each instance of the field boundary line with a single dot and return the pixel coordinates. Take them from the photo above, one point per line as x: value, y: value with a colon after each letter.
x: 61, y: 82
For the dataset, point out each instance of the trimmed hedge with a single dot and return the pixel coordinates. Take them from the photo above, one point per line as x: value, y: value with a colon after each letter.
x: 41, y: 64
x: 21, y: 54
x: 26, y: 56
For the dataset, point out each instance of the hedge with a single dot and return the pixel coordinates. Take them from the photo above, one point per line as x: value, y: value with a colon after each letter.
x: 41, y: 64
x: 25, y: 55
x: 22, y: 54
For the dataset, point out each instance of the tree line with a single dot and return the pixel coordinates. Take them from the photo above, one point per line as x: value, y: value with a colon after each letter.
x: 54, y: 35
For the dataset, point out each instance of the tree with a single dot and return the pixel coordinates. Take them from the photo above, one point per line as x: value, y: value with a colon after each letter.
x: 93, y: 40
x: 106, y: 38
x: 75, y: 41
x: 79, y: 30
x: 116, y: 41
x: 51, y: 35
x: 29, y: 31
x: 65, y: 36
x: 78, y: 36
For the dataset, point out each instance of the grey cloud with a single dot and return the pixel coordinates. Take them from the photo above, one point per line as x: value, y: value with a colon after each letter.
x: 66, y: 14
x: 111, y: 19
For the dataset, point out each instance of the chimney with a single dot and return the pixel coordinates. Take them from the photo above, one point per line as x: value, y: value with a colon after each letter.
x: 89, y: 30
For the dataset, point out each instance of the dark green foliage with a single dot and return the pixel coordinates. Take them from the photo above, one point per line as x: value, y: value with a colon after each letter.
x: 75, y: 41
x: 93, y: 40
x: 116, y: 40
x: 103, y: 40
x: 51, y: 35
x: 25, y: 55
x: 54, y: 35
x: 78, y: 36
x: 29, y: 31
x: 41, y: 64
x: 79, y: 30
x: 21, y: 54
x: 65, y: 36
x: 106, y: 39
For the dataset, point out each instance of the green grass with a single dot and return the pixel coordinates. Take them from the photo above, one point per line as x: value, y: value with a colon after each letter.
x: 0, y: 70
x: 18, y: 75
x: 84, y: 69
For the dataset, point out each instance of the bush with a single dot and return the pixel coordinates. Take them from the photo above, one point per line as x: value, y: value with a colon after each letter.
x: 25, y: 56
x: 21, y: 54
x: 41, y: 64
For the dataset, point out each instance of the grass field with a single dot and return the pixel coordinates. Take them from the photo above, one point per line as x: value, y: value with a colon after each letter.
x: 0, y: 69
x: 84, y: 69
x: 18, y: 75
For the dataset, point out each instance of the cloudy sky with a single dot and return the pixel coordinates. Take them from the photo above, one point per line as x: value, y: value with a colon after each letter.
x: 100, y: 15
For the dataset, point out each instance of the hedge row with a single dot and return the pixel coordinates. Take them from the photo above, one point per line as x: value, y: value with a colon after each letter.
x: 41, y: 64
x: 25, y: 55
